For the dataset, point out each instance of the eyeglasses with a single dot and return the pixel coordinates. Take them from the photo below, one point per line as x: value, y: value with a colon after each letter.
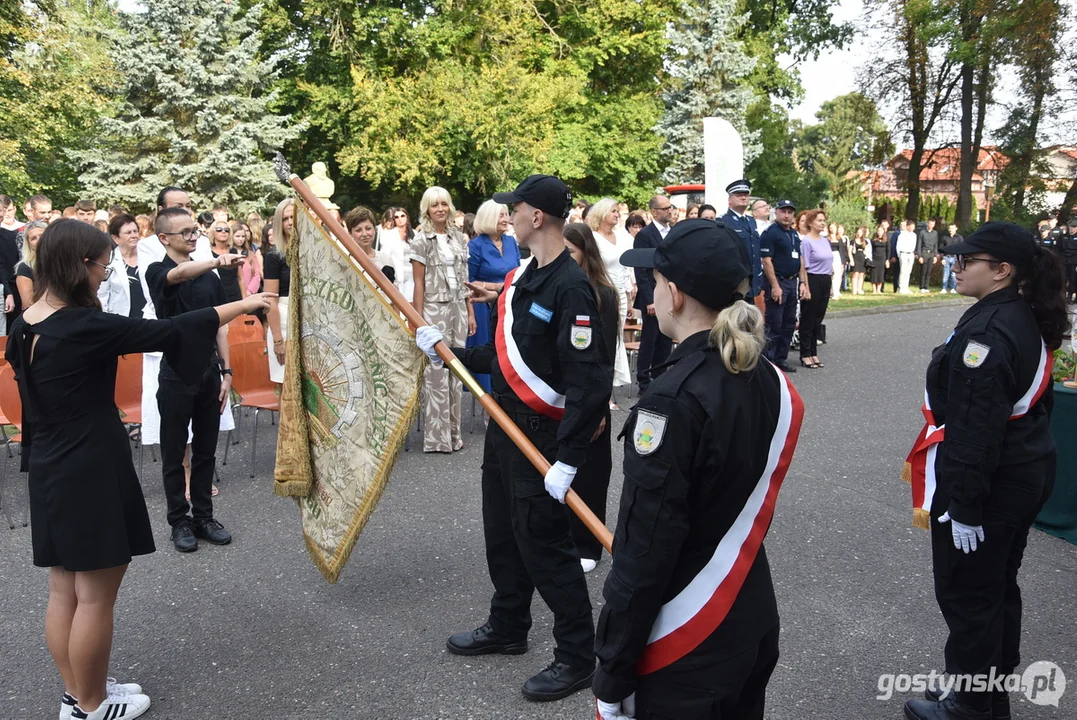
x: 185, y: 234
x: 667, y: 207
x: 960, y: 261
x: 107, y: 268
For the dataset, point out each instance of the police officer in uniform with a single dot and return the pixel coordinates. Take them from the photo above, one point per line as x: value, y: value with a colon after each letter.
x: 736, y: 217
x: 988, y: 412
x: 1066, y: 246
x: 779, y: 248
x: 689, y: 630
x: 551, y: 375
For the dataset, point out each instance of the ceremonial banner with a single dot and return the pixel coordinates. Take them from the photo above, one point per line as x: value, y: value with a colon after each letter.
x: 351, y: 392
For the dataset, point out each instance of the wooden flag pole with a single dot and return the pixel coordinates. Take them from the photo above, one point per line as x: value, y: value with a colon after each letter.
x: 415, y: 319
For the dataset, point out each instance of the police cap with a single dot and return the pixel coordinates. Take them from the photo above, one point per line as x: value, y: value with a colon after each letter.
x: 706, y: 259
x: 785, y: 204
x: 738, y: 186
x: 1004, y: 240
x: 544, y: 192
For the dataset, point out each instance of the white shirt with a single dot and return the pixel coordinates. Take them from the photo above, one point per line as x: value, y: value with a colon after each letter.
x: 663, y: 230
x: 906, y: 242
x: 398, y: 251
x: 448, y: 257
x: 115, y: 293
x: 620, y: 276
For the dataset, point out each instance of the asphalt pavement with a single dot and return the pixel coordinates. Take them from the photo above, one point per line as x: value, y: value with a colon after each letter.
x: 252, y: 630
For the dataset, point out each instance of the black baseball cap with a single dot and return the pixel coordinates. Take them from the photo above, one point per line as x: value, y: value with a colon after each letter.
x: 706, y: 259
x: 1004, y: 240
x: 785, y: 204
x: 544, y: 192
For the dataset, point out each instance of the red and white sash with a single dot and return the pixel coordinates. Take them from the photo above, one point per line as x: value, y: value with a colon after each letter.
x: 529, y: 387
x: 689, y: 618
x: 919, y: 469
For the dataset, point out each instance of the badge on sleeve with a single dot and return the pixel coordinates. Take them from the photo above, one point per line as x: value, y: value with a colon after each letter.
x: 650, y: 429
x: 581, y: 332
x: 975, y: 354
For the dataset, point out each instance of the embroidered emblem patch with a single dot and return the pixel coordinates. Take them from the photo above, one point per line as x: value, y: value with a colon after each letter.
x: 975, y: 354
x: 540, y: 312
x: 581, y: 337
x: 650, y: 429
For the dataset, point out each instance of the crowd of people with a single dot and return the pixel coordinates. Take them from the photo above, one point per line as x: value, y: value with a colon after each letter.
x: 533, y: 294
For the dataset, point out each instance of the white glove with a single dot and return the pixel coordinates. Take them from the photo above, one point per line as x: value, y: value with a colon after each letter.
x: 613, y: 711
x: 964, y: 535
x: 558, y: 479
x: 426, y: 337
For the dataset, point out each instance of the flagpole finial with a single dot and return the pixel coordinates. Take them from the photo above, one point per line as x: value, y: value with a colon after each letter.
x: 282, y: 168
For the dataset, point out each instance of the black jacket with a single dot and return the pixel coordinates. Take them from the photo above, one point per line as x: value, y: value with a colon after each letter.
x: 648, y: 237
x: 696, y: 447
x: 549, y: 305
x: 973, y: 381
x: 927, y: 243
x: 9, y: 258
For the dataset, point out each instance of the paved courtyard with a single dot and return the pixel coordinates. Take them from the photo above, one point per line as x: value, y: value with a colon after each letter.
x: 251, y: 630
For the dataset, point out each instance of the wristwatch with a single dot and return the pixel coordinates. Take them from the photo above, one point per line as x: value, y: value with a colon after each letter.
x: 226, y: 371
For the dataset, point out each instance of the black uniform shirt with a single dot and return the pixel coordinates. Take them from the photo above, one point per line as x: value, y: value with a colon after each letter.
x: 927, y: 243
x: 204, y: 291
x: 685, y: 482
x: 973, y: 382
x: 783, y: 248
x: 545, y: 306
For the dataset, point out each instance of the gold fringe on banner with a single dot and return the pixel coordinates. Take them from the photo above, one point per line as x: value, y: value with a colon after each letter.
x: 921, y: 519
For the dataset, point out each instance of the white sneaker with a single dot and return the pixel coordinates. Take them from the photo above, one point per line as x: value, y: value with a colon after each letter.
x: 588, y: 564
x: 120, y: 707
x: 112, y: 689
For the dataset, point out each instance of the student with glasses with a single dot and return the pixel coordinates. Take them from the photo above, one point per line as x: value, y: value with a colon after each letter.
x: 984, y: 465
x: 88, y: 514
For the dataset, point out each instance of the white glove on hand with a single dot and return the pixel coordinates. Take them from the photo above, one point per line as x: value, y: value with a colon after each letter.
x: 426, y: 337
x: 614, y: 711
x: 558, y: 480
x: 964, y: 535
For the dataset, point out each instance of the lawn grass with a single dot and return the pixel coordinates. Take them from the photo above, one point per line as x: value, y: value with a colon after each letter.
x: 888, y: 299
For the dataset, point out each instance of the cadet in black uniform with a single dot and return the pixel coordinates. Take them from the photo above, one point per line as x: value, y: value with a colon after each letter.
x: 1066, y: 246
x: 690, y: 625
x: 988, y: 454
x: 550, y: 373
x: 179, y: 285
x: 779, y: 247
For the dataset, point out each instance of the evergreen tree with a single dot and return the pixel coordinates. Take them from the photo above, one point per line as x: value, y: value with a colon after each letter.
x: 708, y: 71
x: 196, y: 110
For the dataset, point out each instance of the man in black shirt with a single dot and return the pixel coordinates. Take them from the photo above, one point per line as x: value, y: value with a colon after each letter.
x: 178, y: 285
x: 927, y: 251
x: 779, y: 248
x: 551, y: 375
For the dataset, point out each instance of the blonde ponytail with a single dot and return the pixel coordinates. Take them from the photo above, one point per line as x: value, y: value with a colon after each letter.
x: 738, y: 335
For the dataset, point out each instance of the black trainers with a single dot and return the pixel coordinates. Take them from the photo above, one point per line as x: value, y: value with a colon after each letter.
x: 183, y: 536
x: 558, y: 681
x: 212, y: 531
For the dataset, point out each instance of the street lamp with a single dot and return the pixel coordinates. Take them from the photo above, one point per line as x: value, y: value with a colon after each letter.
x: 989, y: 185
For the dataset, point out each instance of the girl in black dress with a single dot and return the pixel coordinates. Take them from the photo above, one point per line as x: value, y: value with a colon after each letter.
x: 86, y: 506
x: 593, y: 479
x: 880, y: 257
x: 860, y: 253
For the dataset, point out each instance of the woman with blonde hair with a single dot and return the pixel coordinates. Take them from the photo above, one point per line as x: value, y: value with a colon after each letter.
x: 492, y: 254
x: 25, y: 269
x: 439, y: 258
x: 604, y: 220
x: 701, y: 465
x: 250, y: 272
x: 278, y: 281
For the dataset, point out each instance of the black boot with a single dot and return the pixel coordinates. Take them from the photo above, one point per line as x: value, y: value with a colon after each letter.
x: 558, y: 681
x: 482, y: 641
x: 949, y: 708
x: 1000, y: 702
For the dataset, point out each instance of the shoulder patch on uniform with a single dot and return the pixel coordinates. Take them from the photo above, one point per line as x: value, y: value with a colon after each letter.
x: 649, y: 431
x: 581, y: 332
x: 975, y: 354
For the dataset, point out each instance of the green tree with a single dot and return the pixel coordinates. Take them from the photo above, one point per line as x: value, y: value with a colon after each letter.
x: 56, y: 81
x: 709, y: 69
x: 473, y: 95
x: 850, y: 135
x: 775, y: 172
x: 195, y: 109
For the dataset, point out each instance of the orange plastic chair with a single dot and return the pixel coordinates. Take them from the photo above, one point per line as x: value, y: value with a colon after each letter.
x: 11, y: 407
x: 128, y: 395
x: 250, y: 378
x: 245, y: 328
